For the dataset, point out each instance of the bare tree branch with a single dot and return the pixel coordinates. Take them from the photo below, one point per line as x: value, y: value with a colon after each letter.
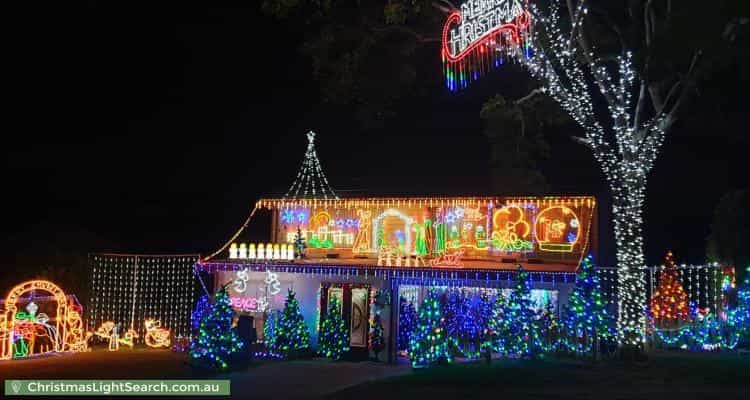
x: 639, y: 108
x: 529, y: 96
x: 687, y: 84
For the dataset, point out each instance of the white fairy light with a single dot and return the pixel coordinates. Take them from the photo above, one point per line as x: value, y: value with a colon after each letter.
x: 625, y: 157
x: 310, y: 182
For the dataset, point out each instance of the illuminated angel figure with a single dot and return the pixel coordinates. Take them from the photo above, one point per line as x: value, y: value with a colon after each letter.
x: 240, y: 283
x: 272, y: 280
x: 156, y: 336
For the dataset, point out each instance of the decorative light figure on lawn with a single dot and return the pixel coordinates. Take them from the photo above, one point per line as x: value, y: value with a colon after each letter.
x: 19, y: 329
x: 156, y: 336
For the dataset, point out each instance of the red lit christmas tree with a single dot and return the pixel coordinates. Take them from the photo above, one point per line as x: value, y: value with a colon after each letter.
x: 669, y: 303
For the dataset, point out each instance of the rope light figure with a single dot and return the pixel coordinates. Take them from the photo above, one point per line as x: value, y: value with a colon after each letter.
x: 26, y: 330
x: 310, y: 182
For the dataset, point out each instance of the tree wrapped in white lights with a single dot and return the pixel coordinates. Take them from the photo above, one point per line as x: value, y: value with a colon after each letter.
x: 625, y: 139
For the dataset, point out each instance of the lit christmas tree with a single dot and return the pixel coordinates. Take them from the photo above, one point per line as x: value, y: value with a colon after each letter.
x: 269, y: 331
x: 429, y: 342
x: 585, y: 319
x: 334, y: 337
x: 299, y: 244
x: 202, y: 307
x: 547, y: 329
x: 292, y: 337
x: 466, y: 318
x: 496, y: 325
x: 741, y: 315
x: 215, y: 342
x: 406, y: 319
x: 669, y: 303
x: 518, y: 330
x: 376, y: 335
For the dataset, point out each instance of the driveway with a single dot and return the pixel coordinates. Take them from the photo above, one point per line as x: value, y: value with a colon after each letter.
x: 306, y: 379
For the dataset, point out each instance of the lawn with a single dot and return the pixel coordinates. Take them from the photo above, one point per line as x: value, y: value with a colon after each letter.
x: 100, y: 364
x: 677, y: 375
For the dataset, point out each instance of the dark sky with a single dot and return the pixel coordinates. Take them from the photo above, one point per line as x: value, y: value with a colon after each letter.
x: 153, y: 128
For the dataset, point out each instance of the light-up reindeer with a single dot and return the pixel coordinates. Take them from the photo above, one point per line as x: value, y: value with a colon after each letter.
x: 156, y: 336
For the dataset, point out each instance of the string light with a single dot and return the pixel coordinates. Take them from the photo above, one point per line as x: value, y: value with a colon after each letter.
x: 625, y: 161
x: 310, y: 182
x: 129, y: 289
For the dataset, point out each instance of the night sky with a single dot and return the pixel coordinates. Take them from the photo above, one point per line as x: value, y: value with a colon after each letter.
x: 154, y: 128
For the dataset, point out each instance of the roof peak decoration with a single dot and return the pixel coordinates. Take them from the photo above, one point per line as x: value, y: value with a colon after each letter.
x: 310, y: 182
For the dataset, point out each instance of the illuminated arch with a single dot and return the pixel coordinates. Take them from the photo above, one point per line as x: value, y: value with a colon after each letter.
x: 67, y: 339
x: 392, y: 212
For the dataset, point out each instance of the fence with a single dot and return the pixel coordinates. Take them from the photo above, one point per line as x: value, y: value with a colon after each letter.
x: 702, y: 283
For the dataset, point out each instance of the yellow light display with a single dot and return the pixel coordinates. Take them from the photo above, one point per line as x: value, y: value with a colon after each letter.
x: 108, y: 331
x: 26, y: 332
x: 557, y: 229
x: 395, y: 231
x: 156, y: 336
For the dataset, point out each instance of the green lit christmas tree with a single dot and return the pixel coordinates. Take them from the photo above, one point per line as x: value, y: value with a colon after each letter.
x: 292, y: 338
x: 429, y: 342
x: 586, y: 321
x: 495, y: 338
x: 518, y: 330
x: 334, y: 337
x: 216, y: 341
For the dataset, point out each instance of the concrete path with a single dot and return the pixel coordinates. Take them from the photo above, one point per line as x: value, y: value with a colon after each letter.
x: 306, y: 379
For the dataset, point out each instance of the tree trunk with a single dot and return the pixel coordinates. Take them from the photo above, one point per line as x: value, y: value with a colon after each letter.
x: 627, y: 211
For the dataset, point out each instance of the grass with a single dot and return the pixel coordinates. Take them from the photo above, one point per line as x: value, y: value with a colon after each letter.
x: 692, y: 376
x: 138, y: 363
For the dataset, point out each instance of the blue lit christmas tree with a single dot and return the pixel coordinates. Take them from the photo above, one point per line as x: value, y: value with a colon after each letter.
x: 466, y: 316
x: 292, y: 337
x: 406, y: 318
x: 215, y: 341
x: 429, y: 342
x: 586, y: 321
x: 334, y: 337
x: 202, y: 307
x: 742, y: 312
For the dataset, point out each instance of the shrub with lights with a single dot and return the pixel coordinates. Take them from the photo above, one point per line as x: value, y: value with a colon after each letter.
x: 216, y: 342
x: 406, y: 319
x: 585, y: 321
x: 429, y: 343
x: 291, y: 338
x: 334, y: 337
